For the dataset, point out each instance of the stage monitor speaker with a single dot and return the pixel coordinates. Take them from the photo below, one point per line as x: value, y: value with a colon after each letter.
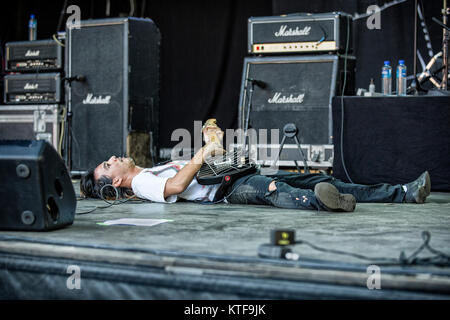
x: 294, y: 89
x: 115, y: 99
x: 36, y: 190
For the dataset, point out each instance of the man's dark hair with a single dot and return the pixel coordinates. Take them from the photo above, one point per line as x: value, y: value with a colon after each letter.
x: 101, y: 188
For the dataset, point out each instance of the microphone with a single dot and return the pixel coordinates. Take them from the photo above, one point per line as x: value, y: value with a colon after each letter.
x: 76, y: 78
x: 80, y: 78
x: 259, y: 83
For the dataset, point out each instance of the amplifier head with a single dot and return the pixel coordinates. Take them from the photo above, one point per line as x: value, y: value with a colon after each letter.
x: 31, y: 56
x: 301, y: 32
x: 33, y: 88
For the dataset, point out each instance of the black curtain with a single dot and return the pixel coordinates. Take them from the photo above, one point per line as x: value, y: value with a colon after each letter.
x: 204, y: 43
x: 203, y: 47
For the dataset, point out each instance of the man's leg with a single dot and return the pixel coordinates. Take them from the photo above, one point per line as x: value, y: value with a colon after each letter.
x: 258, y: 189
x: 363, y: 193
x: 382, y: 192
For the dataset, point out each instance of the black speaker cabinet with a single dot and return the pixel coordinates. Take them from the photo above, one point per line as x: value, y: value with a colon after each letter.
x: 115, y: 107
x: 294, y: 89
x: 36, y: 192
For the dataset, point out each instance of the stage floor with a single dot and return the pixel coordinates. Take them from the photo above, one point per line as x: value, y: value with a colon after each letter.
x: 211, y: 252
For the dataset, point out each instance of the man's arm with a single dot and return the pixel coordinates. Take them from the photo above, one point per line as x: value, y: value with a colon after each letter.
x: 183, y: 178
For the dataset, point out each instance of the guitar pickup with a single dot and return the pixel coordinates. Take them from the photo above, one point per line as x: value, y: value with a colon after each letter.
x: 221, y: 162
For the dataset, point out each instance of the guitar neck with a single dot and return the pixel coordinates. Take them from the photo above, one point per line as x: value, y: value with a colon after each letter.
x: 213, y: 137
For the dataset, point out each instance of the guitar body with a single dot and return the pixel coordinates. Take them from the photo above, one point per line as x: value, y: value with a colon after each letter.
x: 222, y: 169
x: 208, y: 176
x: 223, y: 176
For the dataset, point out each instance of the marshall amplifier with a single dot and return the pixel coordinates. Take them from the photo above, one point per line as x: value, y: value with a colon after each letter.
x: 32, y: 88
x: 276, y: 91
x: 115, y: 107
x: 29, y: 56
x: 301, y: 32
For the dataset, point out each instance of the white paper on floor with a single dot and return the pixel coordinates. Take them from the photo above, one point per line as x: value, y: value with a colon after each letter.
x: 134, y: 222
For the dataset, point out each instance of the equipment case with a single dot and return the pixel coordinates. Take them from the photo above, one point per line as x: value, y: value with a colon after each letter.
x: 31, y: 122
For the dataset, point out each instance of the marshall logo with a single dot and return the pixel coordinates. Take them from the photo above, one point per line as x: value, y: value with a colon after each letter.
x: 278, y: 98
x: 285, y: 32
x: 31, y: 86
x: 31, y: 53
x: 91, y: 99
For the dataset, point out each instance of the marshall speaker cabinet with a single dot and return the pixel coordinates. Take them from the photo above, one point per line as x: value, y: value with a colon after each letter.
x: 300, y: 32
x: 115, y: 102
x: 298, y: 90
x: 36, y: 191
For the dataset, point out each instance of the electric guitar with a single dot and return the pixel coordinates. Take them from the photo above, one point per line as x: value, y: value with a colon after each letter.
x: 225, y: 168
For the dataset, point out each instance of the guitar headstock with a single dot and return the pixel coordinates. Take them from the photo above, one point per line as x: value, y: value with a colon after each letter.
x: 210, y: 123
x: 211, y: 131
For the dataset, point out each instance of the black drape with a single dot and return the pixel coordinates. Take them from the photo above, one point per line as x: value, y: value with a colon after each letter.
x: 203, y: 46
x: 204, y: 43
x: 378, y: 150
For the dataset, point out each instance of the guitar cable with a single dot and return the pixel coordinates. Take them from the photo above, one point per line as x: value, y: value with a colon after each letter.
x: 116, y: 201
x: 281, y: 240
x: 342, y: 102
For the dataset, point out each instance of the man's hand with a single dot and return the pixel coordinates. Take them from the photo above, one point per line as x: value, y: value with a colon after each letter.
x: 212, y: 149
x: 212, y: 132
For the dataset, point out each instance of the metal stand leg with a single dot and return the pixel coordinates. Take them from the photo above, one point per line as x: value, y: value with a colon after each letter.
x: 305, y: 164
x: 290, y: 131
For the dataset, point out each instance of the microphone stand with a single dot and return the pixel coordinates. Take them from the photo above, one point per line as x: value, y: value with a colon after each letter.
x: 246, y: 113
x: 415, y: 83
x: 249, y: 105
x: 415, y: 86
x: 445, y: 37
x: 446, y: 32
x: 426, y: 74
x: 68, y: 129
x: 69, y: 114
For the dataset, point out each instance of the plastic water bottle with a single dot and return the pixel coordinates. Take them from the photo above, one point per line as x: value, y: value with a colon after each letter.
x: 386, y: 78
x: 401, y: 78
x: 371, y: 87
x: 32, y: 28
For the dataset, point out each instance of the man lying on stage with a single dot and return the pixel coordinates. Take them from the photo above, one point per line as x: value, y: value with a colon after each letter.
x: 175, y: 180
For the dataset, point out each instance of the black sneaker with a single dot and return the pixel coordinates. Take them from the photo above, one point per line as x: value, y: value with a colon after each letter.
x: 418, y: 190
x: 332, y: 200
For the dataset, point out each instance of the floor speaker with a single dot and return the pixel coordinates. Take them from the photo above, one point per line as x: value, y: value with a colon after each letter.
x: 36, y: 192
x: 115, y: 98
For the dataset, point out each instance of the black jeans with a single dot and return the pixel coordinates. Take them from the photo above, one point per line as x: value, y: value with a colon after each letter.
x: 296, y: 191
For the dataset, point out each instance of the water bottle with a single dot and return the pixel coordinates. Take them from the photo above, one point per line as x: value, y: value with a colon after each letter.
x: 401, y: 78
x: 32, y: 28
x: 386, y: 78
x: 371, y: 87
